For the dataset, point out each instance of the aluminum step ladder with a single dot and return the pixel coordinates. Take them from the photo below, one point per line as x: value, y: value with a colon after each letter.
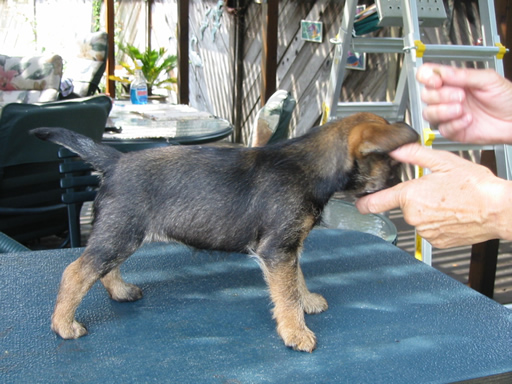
x: 411, y: 14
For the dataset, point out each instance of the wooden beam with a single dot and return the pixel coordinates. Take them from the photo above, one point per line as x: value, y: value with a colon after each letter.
x: 483, y: 265
x: 111, y: 61
x: 183, y: 41
x: 270, y: 11
x: 149, y: 22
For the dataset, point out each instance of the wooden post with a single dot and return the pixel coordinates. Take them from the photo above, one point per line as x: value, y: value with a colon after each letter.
x: 238, y: 63
x: 508, y: 42
x: 504, y: 23
x: 111, y: 61
x: 270, y: 12
x: 484, y: 256
x: 183, y: 70
x: 149, y: 23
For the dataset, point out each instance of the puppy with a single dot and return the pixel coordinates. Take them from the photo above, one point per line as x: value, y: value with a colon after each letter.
x: 261, y: 201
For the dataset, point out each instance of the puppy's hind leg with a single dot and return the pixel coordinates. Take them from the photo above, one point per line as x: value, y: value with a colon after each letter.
x: 118, y: 289
x: 311, y: 302
x: 76, y: 281
x: 97, y: 261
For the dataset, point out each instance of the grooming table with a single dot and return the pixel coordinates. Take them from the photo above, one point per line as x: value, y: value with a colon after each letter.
x: 205, y: 318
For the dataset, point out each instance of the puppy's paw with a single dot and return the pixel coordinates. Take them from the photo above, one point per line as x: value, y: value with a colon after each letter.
x: 73, y: 330
x: 125, y: 292
x: 302, y: 339
x: 314, y: 303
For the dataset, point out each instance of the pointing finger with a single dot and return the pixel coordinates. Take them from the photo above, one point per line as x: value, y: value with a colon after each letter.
x: 381, y: 201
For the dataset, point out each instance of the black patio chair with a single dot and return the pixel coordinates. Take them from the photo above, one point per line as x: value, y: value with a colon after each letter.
x: 78, y: 185
x: 31, y: 204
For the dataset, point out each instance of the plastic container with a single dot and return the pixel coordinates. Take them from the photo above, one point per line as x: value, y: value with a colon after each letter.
x: 139, y: 86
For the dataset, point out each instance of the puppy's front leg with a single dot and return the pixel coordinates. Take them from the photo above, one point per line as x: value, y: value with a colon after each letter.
x: 282, y: 279
x: 312, y: 303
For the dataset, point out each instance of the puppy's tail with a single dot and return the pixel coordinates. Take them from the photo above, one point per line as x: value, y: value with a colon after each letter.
x: 101, y: 156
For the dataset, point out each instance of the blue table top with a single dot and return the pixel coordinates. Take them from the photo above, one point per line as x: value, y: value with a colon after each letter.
x: 205, y: 318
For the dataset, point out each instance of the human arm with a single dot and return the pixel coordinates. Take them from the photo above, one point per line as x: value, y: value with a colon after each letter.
x: 459, y: 203
x: 468, y: 105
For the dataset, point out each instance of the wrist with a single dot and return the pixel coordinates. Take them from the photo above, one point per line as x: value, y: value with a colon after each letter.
x: 501, y: 209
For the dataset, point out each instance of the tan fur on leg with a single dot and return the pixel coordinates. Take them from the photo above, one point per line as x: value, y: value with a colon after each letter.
x: 118, y: 289
x: 76, y: 281
x: 311, y: 302
x: 288, y: 311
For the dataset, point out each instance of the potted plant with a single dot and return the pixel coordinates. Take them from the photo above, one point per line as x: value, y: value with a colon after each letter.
x: 156, y: 66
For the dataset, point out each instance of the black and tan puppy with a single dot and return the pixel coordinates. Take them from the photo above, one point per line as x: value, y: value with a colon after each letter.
x: 261, y: 201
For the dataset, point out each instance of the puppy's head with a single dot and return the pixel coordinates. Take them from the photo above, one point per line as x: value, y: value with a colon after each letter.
x: 370, y: 139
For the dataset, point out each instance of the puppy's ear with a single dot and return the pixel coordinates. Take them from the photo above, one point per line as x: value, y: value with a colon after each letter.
x: 374, y: 137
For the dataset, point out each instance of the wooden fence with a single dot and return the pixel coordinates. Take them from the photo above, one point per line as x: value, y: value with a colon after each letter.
x: 303, y: 66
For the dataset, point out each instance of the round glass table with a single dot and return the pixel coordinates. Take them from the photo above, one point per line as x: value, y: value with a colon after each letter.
x: 339, y: 214
x: 134, y: 127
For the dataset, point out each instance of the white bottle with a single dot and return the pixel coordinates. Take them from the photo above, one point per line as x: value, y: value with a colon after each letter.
x: 139, y: 86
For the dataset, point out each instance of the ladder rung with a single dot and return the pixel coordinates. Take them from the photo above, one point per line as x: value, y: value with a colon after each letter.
x: 432, y: 51
x: 467, y: 52
x: 378, y: 44
x: 440, y: 142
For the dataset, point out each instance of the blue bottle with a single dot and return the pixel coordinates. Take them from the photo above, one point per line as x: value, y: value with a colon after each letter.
x: 139, y: 86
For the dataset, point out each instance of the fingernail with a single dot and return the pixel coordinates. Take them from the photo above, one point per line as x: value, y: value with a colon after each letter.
x: 457, y: 96
x: 425, y: 73
x: 457, y: 108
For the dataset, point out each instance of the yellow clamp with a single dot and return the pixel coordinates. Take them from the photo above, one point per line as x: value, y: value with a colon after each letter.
x: 418, y: 251
x: 325, y: 113
x: 501, y: 52
x: 420, y: 48
x: 428, y: 136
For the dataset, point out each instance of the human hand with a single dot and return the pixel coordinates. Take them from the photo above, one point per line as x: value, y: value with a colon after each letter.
x: 459, y: 203
x: 469, y: 105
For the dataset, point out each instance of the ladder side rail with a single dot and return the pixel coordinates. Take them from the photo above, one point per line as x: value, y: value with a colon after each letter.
x: 503, y: 155
x: 488, y: 23
x: 412, y: 62
x: 338, y: 69
x: 402, y: 94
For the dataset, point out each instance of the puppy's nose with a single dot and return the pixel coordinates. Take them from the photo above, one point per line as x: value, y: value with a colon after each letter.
x: 393, y: 180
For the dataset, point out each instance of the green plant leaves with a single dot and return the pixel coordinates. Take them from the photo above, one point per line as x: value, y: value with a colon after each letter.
x: 154, y: 63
